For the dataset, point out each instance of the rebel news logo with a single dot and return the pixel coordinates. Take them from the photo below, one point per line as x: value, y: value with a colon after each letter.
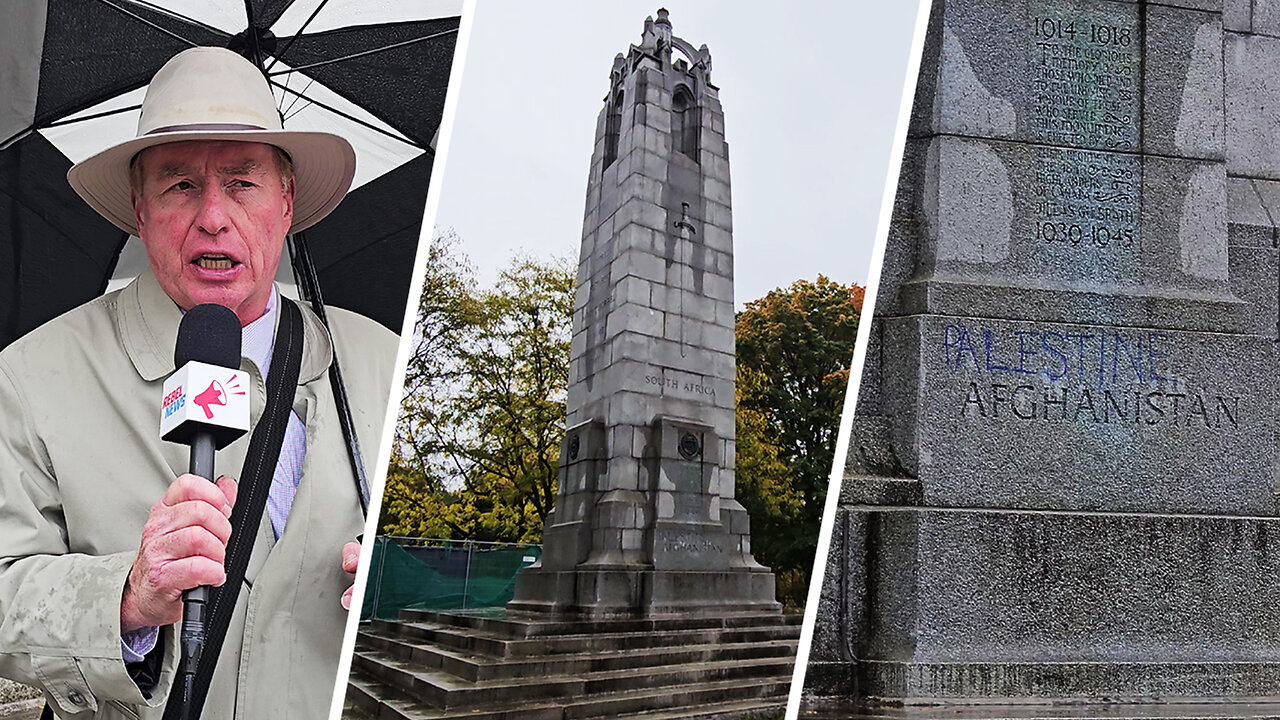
x: 213, y: 396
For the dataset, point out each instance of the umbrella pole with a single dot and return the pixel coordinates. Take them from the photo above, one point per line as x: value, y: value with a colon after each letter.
x: 309, y: 287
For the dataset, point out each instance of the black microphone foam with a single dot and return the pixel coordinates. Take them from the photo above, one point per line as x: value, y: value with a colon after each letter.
x: 209, y: 334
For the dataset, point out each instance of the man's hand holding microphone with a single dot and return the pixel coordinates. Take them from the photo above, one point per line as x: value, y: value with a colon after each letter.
x: 184, y: 545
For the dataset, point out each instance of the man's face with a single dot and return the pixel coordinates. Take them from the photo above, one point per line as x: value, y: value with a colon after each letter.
x: 213, y: 216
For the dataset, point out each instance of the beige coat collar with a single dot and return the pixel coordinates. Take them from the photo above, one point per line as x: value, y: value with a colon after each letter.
x: 149, y: 328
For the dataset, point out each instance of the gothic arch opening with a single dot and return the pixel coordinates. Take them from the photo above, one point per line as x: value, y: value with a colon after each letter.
x: 612, y: 129
x: 685, y: 122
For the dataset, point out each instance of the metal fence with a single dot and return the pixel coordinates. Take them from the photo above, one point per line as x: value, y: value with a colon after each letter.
x: 436, y: 574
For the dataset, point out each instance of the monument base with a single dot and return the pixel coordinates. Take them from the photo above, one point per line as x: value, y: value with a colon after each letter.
x: 1208, y: 709
x: 643, y: 592
x: 1120, y: 683
x: 961, y: 604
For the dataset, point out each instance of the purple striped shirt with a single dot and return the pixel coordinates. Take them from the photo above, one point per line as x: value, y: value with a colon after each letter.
x: 258, y: 344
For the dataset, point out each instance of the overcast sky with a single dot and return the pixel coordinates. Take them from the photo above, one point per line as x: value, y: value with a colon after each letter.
x: 810, y: 94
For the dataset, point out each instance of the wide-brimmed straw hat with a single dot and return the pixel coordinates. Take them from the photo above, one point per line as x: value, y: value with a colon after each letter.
x: 208, y: 93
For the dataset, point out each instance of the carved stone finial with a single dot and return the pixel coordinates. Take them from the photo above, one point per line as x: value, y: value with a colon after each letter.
x: 649, y: 38
x: 662, y: 26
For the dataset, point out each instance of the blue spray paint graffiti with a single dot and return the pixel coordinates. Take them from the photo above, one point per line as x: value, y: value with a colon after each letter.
x: 1105, y: 357
x: 1101, y: 376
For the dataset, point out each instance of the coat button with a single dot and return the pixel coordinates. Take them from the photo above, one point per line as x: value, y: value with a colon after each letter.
x: 75, y: 697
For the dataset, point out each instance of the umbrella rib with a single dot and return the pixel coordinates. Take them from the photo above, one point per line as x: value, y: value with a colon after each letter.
x: 65, y: 121
x: 353, y: 119
x: 364, y: 53
x: 95, y: 116
x: 177, y: 16
x: 297, y: 96
x: 147, y: 22
x: 17, y: 136
x: 252, y: 36
x: 296, y: 35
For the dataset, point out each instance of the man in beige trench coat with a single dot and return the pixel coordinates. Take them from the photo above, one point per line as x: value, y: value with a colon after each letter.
x: 100, y: 530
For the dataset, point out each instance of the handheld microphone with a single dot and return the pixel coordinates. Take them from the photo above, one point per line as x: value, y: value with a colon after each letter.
x: 206, y: 406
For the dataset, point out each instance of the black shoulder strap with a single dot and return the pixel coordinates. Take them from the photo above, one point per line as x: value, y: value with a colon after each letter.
x: 255, y: 484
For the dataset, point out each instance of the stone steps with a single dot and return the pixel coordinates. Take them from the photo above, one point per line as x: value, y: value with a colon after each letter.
x: 506, y: 666
x: 439, y: 688
x: 759, y: 709
x: 486, y: 643
x: 515, y: 625
x: 476, y: 668
x: 757, y: 698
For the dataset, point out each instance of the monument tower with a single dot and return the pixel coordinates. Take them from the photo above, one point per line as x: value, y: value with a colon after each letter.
x: 645, y: 520
x: 647, y: 602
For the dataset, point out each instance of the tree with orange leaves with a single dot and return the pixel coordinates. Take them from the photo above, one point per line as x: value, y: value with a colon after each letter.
x: 794, y: 347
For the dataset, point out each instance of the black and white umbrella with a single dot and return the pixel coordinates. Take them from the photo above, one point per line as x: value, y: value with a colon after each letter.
x: 73, y: 73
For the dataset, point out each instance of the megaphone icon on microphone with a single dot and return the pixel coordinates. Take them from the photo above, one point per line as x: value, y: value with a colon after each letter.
x: 213, y: 395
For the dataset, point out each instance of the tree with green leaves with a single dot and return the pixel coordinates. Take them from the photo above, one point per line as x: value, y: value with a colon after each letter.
x: 794, y: 349
x: 478, y: 439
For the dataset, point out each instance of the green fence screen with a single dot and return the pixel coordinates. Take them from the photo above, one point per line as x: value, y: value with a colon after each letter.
x: 425, y: 574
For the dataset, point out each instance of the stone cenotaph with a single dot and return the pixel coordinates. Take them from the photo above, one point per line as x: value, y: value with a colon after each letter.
x: 645, y: 520
x: 647, y: 601
x: 1062, y: 479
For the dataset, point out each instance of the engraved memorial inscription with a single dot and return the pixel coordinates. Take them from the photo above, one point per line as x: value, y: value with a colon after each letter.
x: 1084, y: 74
x: 1087, y: 200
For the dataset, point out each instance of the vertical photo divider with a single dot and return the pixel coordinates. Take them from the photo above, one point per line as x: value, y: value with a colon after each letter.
x: 377, y: 482
x: 821, y: 557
